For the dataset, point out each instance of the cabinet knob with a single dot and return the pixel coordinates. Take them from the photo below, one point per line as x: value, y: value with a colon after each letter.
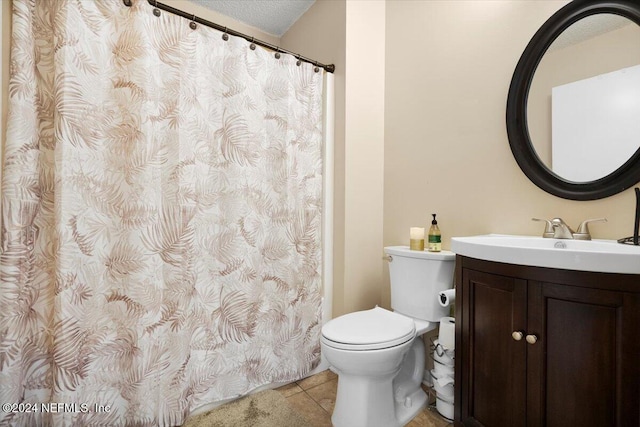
x: 532, y: 339
x: 517, y: 335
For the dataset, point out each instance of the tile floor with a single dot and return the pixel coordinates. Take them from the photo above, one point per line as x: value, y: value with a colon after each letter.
x: 314, y: 397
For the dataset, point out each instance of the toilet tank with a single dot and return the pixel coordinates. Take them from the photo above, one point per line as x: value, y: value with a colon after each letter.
x: 416, y: 279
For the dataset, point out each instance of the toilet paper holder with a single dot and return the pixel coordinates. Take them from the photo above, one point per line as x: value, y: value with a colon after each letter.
x: 439, y: 349
x: 447, y: 297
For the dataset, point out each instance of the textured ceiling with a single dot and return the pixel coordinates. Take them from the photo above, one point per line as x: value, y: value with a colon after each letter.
x: 271, y: 16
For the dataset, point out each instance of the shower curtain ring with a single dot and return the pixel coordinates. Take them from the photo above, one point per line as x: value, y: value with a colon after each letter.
x: 316, y: 69
x: 193, y: 24
x: 298, y: 62
x: 225, y: 36
x: 156, y: 11
x: 277, y: 55
x: 252, y: 46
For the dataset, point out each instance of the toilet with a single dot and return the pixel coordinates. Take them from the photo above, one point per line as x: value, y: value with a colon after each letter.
x: 379, y: 355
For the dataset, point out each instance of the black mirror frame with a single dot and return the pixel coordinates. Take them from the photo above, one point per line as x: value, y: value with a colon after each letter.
x: 626, y: 175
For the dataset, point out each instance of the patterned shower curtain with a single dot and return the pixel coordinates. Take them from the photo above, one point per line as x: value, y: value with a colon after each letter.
x: 161, y: 214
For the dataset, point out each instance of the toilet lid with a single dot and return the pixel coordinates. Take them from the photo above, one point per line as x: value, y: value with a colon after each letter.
x: 369, y: 329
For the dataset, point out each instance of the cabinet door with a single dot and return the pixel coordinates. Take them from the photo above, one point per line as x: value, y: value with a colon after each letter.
x: 493, y: 370
x: 583, y: 368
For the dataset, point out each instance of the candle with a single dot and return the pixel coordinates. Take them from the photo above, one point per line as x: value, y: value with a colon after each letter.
x: 416, y: 238
x: 416, y: 233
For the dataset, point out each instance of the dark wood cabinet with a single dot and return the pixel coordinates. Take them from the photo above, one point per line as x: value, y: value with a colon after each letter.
x: 545, y: 347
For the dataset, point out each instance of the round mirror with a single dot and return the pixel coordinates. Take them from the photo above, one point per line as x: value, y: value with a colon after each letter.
x: 574, y: 101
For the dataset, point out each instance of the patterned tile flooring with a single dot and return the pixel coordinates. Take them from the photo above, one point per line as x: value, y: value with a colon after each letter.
x: 314, y: 398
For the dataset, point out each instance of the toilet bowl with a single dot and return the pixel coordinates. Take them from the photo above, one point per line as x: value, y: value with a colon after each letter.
x: 379, y: 372
x: 378, y: 354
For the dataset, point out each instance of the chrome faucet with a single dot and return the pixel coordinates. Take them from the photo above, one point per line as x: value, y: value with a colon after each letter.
x: 561, y: 230
x: 558, y: 229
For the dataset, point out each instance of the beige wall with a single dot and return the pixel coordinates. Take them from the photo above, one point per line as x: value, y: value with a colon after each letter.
x: 364, y: 154
x: 449, y: 65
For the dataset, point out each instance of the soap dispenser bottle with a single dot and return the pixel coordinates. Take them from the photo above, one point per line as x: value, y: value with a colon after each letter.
x: 435, y: 239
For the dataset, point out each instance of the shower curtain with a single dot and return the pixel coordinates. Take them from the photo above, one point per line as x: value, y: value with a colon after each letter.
x: 161, y: 217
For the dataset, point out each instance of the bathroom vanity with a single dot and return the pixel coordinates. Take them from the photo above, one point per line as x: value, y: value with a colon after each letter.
x: 547, y: 329
x: 545, y: 346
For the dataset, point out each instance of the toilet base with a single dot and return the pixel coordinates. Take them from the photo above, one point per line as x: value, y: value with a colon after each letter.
x: 406, y: 411
x: 410, y: 399
x: 391, y: 398
x: 371, y: 403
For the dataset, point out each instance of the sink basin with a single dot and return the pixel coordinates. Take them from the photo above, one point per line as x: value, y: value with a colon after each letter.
x: 606, y: 256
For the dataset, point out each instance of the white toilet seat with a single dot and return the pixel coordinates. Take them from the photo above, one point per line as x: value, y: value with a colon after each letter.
x: 373, y: 329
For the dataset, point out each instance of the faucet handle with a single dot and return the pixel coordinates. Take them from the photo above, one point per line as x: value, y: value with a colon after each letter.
x: 548, y: 228
x: 583, y: 229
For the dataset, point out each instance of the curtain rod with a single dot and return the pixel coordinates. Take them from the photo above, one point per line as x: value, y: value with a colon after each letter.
x: 330, y: 68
